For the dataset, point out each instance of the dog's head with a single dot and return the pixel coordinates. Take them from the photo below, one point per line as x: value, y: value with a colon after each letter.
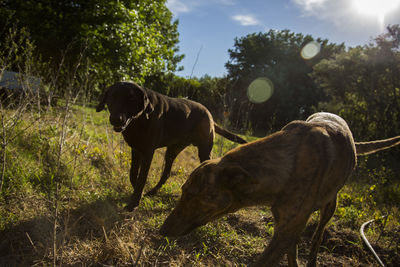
x: 210, y: 192
x: 125, y: 101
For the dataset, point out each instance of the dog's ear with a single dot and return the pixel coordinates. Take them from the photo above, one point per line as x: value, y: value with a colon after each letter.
x: 236, y: 178
x: 196, y: 180
x: 149, y: 108
x: 144, y: 105
x: 102, y: 101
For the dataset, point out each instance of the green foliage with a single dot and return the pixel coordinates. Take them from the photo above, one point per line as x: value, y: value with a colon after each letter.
x: 363, y: 85
x: 275, y: 55
x: 117, y: 39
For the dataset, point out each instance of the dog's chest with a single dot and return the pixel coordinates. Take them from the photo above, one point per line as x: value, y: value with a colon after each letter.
x: 138, y: 136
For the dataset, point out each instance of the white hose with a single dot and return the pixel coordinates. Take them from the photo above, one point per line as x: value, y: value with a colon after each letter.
x: 368, y: 244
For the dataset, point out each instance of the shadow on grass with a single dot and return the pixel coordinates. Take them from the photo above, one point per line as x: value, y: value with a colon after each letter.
x: 103, y: 224
x: 29, y: 242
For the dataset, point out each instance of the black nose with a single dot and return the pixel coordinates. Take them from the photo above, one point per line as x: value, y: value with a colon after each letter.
x: 117, y: 120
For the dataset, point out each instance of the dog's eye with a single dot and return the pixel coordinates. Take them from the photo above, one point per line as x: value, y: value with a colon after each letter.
x: 187, y: 195
x: 208, y: 198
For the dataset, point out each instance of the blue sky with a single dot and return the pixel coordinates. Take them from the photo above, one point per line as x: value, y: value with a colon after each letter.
x: 208, y: 28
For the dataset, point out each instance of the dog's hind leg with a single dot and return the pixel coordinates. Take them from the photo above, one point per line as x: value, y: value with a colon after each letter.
x: 326, y: 214
x: 170, y: 155
x: 292, y: 256
x: 141, y: 180
x: 286, y: 234
x: 291, y: 213
x: 205, y: 151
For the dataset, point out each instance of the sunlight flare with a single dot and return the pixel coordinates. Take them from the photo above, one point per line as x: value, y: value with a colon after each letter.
x: 376, y: 8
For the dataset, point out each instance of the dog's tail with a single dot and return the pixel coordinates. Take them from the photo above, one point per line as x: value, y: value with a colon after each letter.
x: 365, y: 148
x: 228, y: 135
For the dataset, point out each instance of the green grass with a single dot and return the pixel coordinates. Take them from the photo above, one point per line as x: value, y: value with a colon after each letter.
x: 87, y: 181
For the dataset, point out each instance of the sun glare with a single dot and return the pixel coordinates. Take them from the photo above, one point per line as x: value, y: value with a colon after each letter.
x: 376, y: 8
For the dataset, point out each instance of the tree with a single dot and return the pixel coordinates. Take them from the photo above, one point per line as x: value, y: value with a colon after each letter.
x: 126, y: 39
x: 363, y: 85
x: 277, y: 56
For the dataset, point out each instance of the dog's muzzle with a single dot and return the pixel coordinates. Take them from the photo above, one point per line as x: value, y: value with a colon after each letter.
x: 122, y: 128
x: 120, y: 123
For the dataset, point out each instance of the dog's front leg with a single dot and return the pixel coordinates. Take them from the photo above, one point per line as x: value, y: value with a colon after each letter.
x: 136, y: 161
x: 139, y: 183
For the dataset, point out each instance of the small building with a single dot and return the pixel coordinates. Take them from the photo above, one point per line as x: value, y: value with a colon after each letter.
x: 13, y: 85
x: 19, y: 82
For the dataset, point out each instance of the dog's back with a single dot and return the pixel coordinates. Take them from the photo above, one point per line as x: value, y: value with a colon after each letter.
x: 180, y: 119
x: 316, y: 155
x: 176, y: 109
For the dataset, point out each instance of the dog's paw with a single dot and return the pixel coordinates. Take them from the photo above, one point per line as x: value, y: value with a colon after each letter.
x: 152, y: 192
x: 131, y: 207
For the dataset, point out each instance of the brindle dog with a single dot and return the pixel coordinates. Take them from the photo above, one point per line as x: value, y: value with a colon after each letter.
x: 149, y: 120
x: 295, y: 171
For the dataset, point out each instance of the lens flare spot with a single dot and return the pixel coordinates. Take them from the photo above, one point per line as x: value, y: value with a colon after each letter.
x: 310, y: 50
x: 260, y: 90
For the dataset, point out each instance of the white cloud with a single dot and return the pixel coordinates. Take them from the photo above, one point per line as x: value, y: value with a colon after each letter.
x: 177, y: 7
x: 347, y: 17
x: 185, y: 6
x: 338, y: 12
x: 246, y: 20
x: 227, y: 2
x: 310, y: 5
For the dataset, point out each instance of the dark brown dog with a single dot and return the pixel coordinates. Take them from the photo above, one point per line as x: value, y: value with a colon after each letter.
x: 296, y: 171
x: 149, y: 120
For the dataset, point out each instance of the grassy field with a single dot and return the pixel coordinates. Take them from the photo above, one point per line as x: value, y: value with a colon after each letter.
x: 66, y: 182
